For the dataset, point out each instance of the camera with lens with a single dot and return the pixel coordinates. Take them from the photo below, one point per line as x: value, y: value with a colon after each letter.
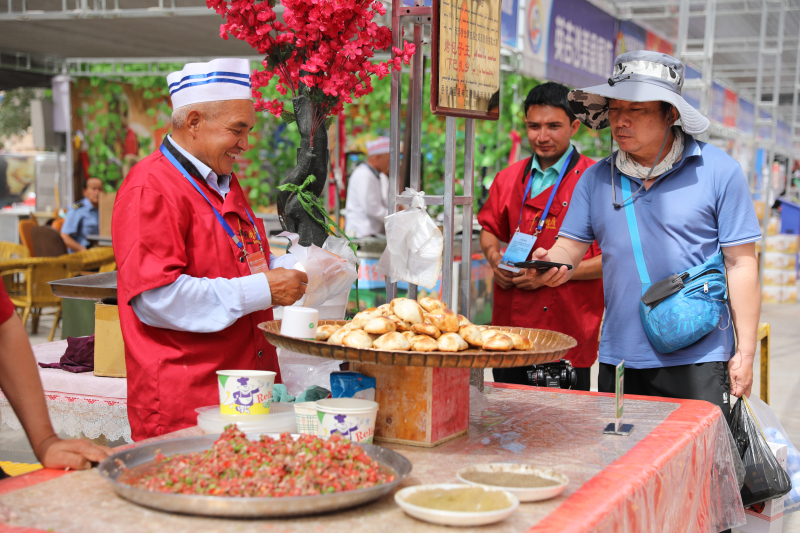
x: 558, y: 375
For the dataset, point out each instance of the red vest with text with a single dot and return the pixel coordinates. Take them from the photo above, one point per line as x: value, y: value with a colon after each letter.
x: 162, y: 228
x: 575, y: 308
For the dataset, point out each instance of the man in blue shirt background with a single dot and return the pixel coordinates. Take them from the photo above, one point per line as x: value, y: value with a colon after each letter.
x: 83, y: 217
x: 692, y: 201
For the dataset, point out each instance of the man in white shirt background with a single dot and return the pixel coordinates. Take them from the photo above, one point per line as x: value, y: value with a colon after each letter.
x: 366, y: 205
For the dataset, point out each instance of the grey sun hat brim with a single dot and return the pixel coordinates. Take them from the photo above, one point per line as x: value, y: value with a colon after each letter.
x: 590, y: 105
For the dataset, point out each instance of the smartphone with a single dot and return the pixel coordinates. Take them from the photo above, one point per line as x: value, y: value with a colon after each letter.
x: 541, y: 265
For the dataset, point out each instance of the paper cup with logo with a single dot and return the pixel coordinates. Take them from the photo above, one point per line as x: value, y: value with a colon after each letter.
x: 245, y: 392
x: 351, y: 418
x: 299, y: 322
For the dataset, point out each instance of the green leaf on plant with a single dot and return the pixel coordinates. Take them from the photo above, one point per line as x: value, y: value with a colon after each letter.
x: 288, y: 117
x: 328, y: 122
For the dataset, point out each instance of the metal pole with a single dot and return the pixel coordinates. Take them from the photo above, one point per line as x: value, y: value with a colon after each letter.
x: 708, y: 55
x: 683, y: 27
x: 394, y: 134
x: 415, y: 108
x: 449, y: 210
x: 466, y: 222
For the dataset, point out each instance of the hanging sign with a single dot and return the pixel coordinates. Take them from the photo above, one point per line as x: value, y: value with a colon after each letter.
x: 580, y: 44
x: 465, y: 57
x: 747, y: 117
x: 509, y: 13
x: 630, y: 38
x: 534, y: 49
x: 717, y: 103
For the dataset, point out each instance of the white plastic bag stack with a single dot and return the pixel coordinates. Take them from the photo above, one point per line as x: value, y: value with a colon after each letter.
x: 331, y: 270
x: 413, y: 245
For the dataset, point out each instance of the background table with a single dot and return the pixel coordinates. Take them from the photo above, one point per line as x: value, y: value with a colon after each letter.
x: 79, y: 404
x: 674, y: 473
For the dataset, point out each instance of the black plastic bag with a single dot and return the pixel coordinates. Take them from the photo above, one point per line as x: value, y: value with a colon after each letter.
x: 764, y: 478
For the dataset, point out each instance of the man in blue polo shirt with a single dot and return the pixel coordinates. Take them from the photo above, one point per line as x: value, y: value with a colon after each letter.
x: 690, y: 200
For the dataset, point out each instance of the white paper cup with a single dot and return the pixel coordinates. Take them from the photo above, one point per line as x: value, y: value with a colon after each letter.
x: 351, y: 418
x: 300, y: 322
x: 245, y: 392
x: 307, y: 420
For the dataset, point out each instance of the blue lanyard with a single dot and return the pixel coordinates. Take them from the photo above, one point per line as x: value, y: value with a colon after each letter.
x: 540, y: 225
x: 222, y: 221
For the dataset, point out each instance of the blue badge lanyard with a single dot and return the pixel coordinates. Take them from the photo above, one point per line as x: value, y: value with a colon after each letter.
x: 561, y: 174
x: 220, y: 219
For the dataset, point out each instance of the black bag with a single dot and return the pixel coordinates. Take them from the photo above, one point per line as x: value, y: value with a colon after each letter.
x: 764, y: 478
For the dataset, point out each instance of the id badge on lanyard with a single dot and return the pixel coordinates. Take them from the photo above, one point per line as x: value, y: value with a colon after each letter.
x: 521, y: 243
x: 256, y: 261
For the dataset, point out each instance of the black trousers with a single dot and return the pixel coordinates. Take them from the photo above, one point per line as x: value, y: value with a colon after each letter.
x: 701, y: 381
x: 519, y: 376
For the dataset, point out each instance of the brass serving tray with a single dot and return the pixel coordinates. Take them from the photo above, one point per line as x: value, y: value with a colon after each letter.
x: 550, y: 346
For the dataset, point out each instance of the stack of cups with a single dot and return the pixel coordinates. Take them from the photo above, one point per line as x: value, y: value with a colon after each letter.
x: 300, y: 323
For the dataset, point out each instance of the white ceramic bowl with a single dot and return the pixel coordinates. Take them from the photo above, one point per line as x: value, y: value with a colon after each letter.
x: 523, y: 494
x: 453, y: 518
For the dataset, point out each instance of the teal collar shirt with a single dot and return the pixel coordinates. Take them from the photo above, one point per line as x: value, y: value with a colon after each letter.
x: 542, y: 179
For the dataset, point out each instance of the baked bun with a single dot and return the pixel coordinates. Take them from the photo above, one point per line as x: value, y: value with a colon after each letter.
x: 380, y: 326
x: 472, y: 335
x: 407, y: 310
x: 409, y: 335
x: 399, y: 324
x: 423, y: 343
x: 426, y: 328
x: 451, y: 342
x: 444, y: 319
x: 358, y: 338
x: 385, y: 309
x: 324, y: 332
x: 361, y: 319
x: 488, y: 333
x: 498, y: 343
x: 392, y: 341
x: 520, y: 342
x: 430, y: 304
x: 337, y: 336
x: 463, y: 321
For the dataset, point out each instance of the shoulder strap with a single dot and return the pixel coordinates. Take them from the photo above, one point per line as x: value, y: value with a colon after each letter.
x: 633, y: 229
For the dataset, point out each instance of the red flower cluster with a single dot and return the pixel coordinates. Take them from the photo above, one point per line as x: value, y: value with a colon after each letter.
x: 323, y: 50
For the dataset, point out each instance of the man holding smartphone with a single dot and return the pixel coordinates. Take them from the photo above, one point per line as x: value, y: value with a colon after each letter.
x: 527, y: 204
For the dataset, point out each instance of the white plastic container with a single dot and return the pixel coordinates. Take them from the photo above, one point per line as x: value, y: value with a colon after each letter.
x: 306, y: 417
x: 281, y: 419
x: 351, y: 418
x: 299, y: 322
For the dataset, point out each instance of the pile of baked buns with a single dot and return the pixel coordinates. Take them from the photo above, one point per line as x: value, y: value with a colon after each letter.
x: 424, y: 326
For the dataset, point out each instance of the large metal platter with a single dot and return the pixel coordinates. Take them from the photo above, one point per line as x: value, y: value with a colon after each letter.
x: 232, y: 507
x: 549, y: 346
x: 93, y: 287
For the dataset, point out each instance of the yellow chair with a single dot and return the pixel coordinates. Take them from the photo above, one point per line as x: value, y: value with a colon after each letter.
x: 37, y: 271
x: 57, y: 223
x: 92, y: 259
x: 25, y: 227
x: 13, y: 282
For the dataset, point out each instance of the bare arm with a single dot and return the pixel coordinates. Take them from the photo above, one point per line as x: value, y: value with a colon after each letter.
x: 745, y: 300
x: 19, y: 379
x: 566, y: 251
x: 71, y: 243
x: 591, y: 268
x: 491, y: 249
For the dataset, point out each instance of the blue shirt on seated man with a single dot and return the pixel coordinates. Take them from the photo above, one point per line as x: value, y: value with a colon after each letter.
x: 83, y: 217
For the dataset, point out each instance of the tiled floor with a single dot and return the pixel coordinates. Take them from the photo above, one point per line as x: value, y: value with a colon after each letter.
x: 784, y: 321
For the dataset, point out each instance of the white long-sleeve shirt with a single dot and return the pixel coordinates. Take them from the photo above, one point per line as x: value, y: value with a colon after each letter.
x: 203, y: 305
x: 365, y: 208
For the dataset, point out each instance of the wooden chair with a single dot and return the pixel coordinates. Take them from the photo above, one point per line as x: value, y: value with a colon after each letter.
x: 57, y: 223
x: 37, y: 271
x: 25, y: 227
x: 47, y: 242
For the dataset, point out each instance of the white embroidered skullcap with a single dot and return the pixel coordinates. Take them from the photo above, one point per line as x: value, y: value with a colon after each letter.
x: 378, y: 146
x: 214, y: 81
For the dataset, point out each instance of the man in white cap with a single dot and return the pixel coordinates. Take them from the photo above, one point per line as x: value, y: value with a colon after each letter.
x: 195, y: 274
x: 673, y: 216
x: 366, y: 206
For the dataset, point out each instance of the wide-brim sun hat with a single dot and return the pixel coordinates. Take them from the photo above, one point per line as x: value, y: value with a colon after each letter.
x: 638, y: 77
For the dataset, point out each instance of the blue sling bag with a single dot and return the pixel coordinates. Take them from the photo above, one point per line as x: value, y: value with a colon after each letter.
x: 683, y: 308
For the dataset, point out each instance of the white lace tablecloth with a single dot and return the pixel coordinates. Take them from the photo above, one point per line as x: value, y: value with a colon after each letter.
x: 79, y: 404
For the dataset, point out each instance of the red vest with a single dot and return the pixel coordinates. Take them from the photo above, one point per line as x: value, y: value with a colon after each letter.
x: 162, y: 228
x: 575, y: 308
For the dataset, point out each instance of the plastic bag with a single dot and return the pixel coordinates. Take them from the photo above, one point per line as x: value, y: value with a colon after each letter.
x: 764, y: 478
x: 352, y: 385
x: 330, y: 273
x: 413, y: 245
x: 300, y: 372
x: 774, y: 432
